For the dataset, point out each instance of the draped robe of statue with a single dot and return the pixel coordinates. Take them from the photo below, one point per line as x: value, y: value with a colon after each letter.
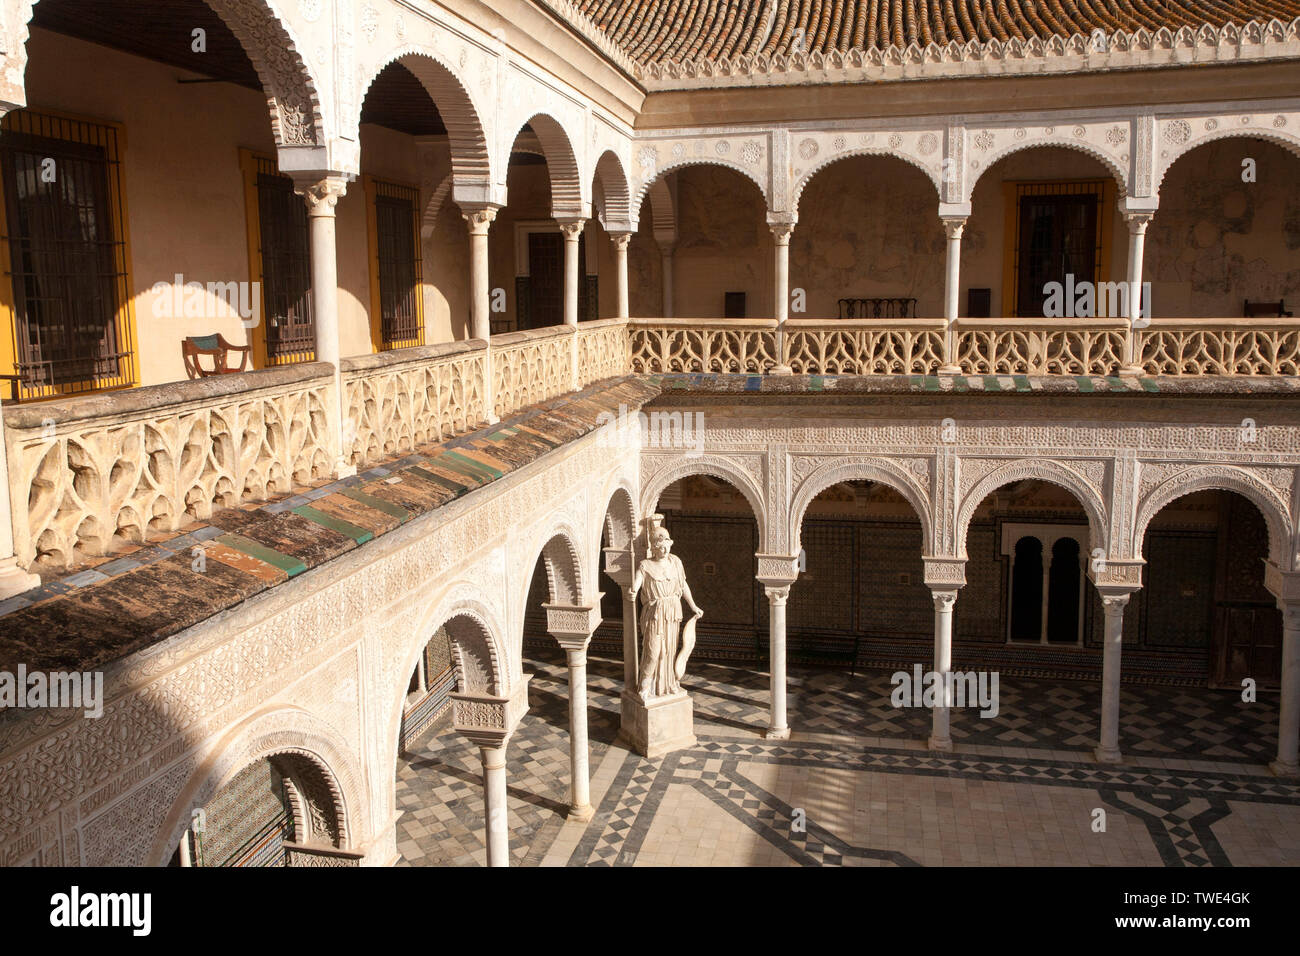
x: 661, y: 622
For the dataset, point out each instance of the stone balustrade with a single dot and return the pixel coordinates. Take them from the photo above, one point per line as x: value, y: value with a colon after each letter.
x: 100, y: 470
x: 995, y: 346
x: 396, y: 401
x: 111, y: 468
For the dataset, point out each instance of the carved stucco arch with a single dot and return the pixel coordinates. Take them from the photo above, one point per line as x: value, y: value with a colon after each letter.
x: 262, y: 735
x: 718, y: 467
x: 1278, y: 137
x: 618, y: 521
x: 1037, y: 469
x: 809, y: 175
x: 883, y: 471
x: 479, y: 654
x: 1117, y: 172
x: 685, y: 161
x: 292, y: 92
x: 617, y: 194
x: 559, y: 548
x: 567, y: 192
x: 471, y: 161
x: 1196, y: 478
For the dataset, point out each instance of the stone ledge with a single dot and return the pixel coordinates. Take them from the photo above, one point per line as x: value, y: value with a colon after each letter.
x: 171, y: 396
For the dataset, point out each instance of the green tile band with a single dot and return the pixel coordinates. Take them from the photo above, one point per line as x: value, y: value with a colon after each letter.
x: 379, y: 504
x: 346, y: 528
x: 277, y: 559
x: 454, y: 487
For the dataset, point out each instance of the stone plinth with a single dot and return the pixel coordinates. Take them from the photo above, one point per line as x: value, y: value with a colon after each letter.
x: 661, y: 726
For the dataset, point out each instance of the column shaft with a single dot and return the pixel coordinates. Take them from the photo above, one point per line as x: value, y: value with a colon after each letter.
x: 322, y: 197
x: 1288, y: 730
x: 781, y: 295
x: 580, y: 794
x: 951, y: 291
x: 1108, y: 749
x: 940, y: 735
x: 621, y: 241
x: 1137, y: 232
x: 778, y: 724
x: 494, y: 805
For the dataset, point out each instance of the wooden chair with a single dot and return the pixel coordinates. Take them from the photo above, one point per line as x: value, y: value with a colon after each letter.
x: 1266, y: 310
x: 218, y: 349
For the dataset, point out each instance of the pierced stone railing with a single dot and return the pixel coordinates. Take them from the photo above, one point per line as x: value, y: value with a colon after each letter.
x: 396, y: 401
x: 1264, y: 346
x: 703, y: 345
x: 531, y: 366
x: 1040, y: 346
x: 864, y: 347
x: 104, y: 469
x: 604, y: 350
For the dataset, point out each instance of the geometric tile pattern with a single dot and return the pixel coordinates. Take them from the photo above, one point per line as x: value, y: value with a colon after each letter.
x: 1166, y: 804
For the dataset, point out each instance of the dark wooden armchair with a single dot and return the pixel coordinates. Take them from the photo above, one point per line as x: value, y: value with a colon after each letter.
x: 1266, y: 310
x: 218, y: 349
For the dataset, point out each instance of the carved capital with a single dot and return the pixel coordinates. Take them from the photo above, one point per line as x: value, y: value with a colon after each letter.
x: 572, y: 228
x: 321, y: 194
x: 777, y: 596
x: 943, y: 599
x: 1138, y: 222
x: 781, y: 232
x: 953, y: 225
x: 620, y: 240
x: 1283, y: 585
x: 479, y: 218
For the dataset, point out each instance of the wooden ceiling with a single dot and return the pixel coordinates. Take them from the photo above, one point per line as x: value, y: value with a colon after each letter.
x: 162, y: 31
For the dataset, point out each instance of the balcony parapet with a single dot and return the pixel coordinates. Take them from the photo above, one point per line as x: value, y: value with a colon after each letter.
x: 117, y: 466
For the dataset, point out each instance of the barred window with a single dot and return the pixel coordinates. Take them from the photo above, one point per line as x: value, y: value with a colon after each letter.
x: 67, y: 264
x: 397, y: 251
x: 1059, y: 231
x: 286, y: 267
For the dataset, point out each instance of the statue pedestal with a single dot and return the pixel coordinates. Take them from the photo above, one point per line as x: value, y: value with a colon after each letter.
x: 663, y: 725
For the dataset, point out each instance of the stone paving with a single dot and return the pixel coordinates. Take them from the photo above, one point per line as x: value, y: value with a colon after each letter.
x: 856, y: 786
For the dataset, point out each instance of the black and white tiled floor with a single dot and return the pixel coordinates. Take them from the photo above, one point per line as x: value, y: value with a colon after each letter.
x: 856, y: 786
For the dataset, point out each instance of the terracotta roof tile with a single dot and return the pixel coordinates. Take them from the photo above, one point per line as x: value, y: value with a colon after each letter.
x: 660, y: 31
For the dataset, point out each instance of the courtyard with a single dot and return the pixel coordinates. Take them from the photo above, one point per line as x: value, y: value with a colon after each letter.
x: 856, y: 785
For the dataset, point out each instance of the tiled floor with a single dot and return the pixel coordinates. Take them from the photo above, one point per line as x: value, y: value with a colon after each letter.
x: 855, y: 785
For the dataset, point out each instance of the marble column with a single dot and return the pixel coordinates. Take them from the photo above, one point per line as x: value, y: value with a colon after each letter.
x: 953, y: 226
x: 13, y: 579
x: 479, y: 217
x: 940, y: 735
x: 777, y: 573
x: 621, y: 241
x: 944, y: 576
x: 322, y: 196
x: 572, y: 627
x: 1137, y: 234
x: 1113, y: 601
x: 1285, y: 586
x: 572, y: 230
x: 1288, y: 728
x: 488, y: 720
x: 781, y: 232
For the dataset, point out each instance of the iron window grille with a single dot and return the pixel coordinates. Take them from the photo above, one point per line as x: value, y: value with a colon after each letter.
x: 286, y: 267
x: 64, y: 223
x: 400, y: 278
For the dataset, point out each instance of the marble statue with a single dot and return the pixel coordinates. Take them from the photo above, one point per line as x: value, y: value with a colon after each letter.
x: 666, y: 645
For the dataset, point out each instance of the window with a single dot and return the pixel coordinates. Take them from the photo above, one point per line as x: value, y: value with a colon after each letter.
x: 539, y: 277
x: 280, y: 257
x: 1046, y: 582
x: 1054, y: 231
x: 396, y: 310
x: 66, y: 284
